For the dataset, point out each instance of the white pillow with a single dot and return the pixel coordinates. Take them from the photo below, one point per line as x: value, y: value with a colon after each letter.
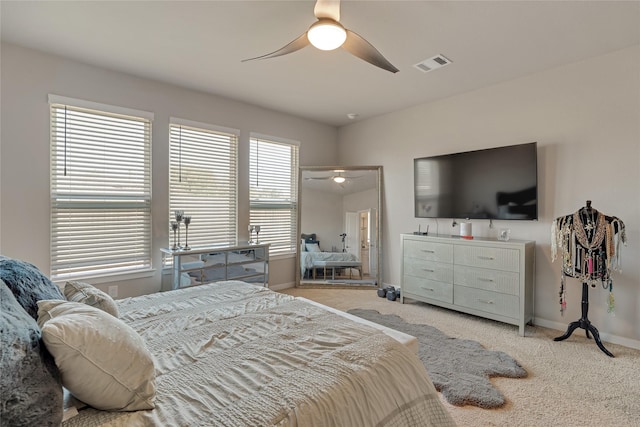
x: 90, y: 295
x: 103, y: 361
x: 313, y: 247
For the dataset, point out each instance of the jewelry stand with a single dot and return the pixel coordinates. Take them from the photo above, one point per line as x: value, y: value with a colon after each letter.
x: 584, y: 323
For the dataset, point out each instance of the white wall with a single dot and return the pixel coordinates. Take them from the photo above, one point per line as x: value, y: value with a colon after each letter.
x: 586, y: 119
x: 324, y: 213
x: 321, y: 213
x: 361, y: 201
x: 28, y: 76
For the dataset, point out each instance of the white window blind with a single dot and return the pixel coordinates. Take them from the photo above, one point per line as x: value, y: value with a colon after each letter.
x: 273, y: 192
x: 203, y: 182
x: 100, y: 190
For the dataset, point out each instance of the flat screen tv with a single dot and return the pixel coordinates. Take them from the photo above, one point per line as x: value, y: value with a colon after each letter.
x: 495, y: 183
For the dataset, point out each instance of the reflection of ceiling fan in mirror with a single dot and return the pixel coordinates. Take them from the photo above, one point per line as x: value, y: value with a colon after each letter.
x: 329, y: 34
x: 339, y: 178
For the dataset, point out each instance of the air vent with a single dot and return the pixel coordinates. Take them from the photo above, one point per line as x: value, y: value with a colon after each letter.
x: 433, y: 63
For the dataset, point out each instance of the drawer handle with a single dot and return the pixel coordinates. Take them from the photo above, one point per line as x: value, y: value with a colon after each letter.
x: 427, y: 289
x: 489, y: 258
x: 482, y: 279
x: 428, y: 270
x: 429, y: 251
x: 485, y: 301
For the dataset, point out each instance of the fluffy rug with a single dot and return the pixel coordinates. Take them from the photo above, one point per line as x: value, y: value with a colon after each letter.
x: 460, y: 369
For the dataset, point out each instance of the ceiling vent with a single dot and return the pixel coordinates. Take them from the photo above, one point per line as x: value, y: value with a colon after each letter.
x: 433, y: 63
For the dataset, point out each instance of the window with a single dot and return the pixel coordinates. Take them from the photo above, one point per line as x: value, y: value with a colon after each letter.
x: 100, y: 189
x: 203, y: 181
x: 273, y: 192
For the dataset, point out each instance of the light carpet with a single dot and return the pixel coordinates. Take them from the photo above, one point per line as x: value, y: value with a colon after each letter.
x: 570, y: 383
x: 459, y: 368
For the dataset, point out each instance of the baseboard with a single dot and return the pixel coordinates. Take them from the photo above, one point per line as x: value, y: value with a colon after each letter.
x: 281, y: 286
x: 614, y: 339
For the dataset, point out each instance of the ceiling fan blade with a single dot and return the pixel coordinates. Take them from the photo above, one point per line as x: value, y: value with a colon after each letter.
x: 295, y: 45
x: 364, y: 50
x: 327, y: 9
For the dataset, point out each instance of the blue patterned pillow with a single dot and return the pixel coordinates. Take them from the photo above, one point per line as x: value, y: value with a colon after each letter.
x: 28, y: 284
x: 30, y: 381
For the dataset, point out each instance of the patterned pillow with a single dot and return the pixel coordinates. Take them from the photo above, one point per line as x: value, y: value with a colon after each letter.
x: 90, y: 295
x: 30, y: 381
x: 103, y: 361
x: 28, y: 284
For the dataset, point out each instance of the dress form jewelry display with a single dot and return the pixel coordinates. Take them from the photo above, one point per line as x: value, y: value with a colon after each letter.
x: 588, y: 243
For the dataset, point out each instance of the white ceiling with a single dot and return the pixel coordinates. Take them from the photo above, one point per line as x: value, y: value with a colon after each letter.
x: 199, y: 45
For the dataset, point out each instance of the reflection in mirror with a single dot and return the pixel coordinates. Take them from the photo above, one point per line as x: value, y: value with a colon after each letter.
x: 339, y: 226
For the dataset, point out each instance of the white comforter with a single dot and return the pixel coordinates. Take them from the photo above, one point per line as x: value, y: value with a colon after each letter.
x: 234, y: 354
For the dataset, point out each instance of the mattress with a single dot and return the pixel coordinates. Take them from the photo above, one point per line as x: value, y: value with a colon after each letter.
x: 237, y: 354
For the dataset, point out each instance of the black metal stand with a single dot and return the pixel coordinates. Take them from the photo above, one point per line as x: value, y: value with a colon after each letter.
x: 584, y: 323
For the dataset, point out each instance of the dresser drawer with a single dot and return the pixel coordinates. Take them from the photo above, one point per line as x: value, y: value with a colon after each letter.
x: 428, y: 270
x: 488, y: 257
x: 490, y: 302
x: 506, y: 282
x: 430, y: 289
x: 429, y: 251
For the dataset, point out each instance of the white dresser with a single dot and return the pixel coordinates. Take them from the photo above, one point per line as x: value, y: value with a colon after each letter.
x: 483, y: 277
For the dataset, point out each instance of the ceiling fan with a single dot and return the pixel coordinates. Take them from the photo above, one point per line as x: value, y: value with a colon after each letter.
x: 328, y: 34
x: 339, y: 178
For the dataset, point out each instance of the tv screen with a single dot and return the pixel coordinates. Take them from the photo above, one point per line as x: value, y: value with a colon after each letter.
x: 495, y: 183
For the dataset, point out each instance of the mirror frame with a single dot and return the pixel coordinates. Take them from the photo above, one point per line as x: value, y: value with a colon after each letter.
x: 378, y: 219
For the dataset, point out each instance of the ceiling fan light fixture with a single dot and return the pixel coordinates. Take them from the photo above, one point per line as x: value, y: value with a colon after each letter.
x: 327, y: 34
x: 339, y: 179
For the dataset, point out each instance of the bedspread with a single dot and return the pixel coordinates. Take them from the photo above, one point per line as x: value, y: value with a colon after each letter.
x: 235, y: 354
x: 308, y: 259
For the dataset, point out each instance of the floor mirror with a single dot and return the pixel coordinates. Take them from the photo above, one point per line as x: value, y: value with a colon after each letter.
x: 339, y: 220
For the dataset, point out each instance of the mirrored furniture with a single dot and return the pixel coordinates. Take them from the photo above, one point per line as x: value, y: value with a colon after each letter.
x: 339, y: 221
x: 248, y: 262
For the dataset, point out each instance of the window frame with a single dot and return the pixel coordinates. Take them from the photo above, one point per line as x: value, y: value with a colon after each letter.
x: 196, y: 134
x: 78, y: 201
x: 288, y: 204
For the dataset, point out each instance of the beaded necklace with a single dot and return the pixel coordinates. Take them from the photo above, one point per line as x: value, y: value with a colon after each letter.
x: 581, y: 235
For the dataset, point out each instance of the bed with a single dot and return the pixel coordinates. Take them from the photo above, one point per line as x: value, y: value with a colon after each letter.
x: 312, y: 260
x: 238, y: 354
x: 270, y: 359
